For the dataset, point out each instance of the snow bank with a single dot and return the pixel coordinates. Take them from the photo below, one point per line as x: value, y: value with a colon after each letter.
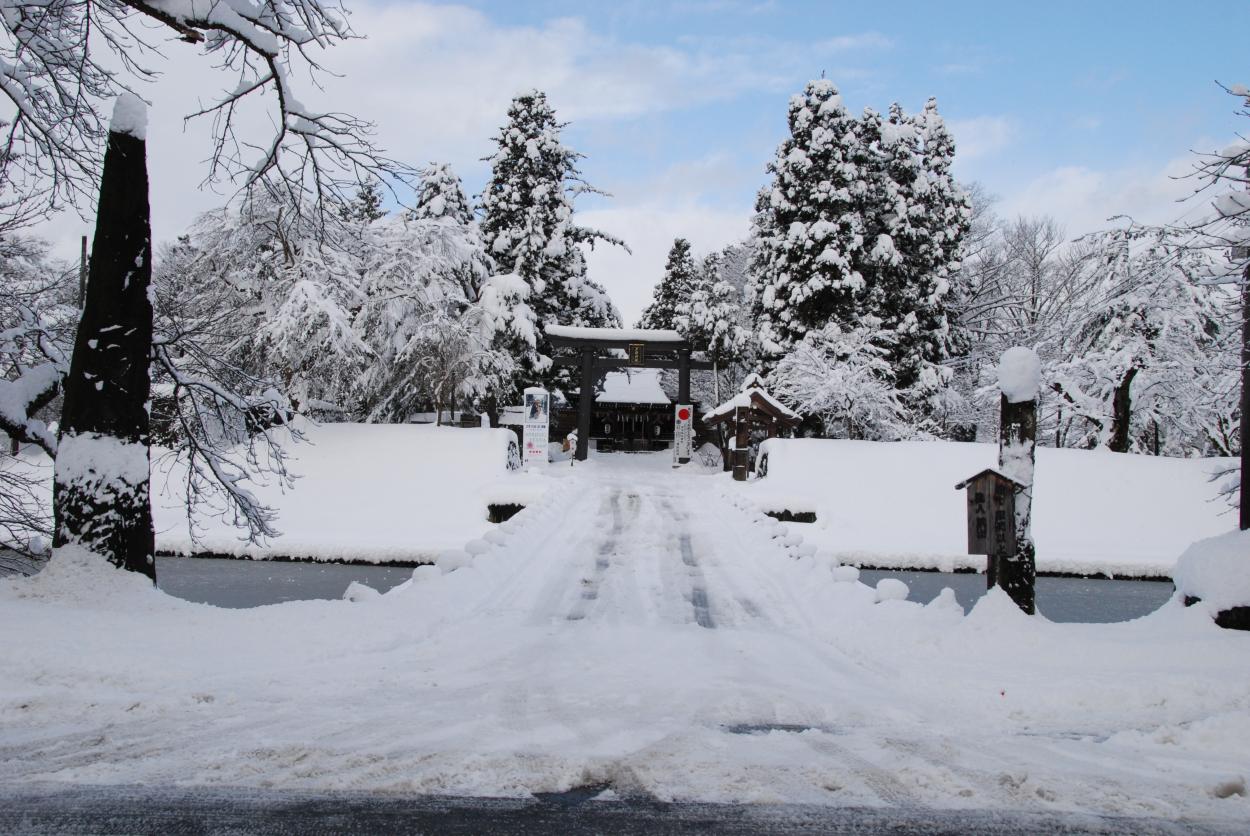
x: 366, y: 492
x: 1217, y: 570
x: 894, y: 504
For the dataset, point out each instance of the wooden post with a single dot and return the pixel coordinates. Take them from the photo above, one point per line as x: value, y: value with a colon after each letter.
x: 1016, y: 572
x: 585, y: 403
x: 742, y: 443
x: 683, y: 387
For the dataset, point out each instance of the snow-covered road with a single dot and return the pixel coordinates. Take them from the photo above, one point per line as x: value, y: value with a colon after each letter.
x: 643, y: 632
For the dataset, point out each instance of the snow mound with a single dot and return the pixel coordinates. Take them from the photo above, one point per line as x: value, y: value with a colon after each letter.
x: 80, y: 577
x: 891, y: 589
x: 1217, y: 571
x: 1019, y: 374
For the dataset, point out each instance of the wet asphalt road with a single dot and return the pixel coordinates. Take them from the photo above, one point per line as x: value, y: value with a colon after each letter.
x: 163, y: 810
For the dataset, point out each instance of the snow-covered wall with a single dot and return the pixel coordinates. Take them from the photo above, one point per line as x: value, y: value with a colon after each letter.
x: 895, y: 504
x: 367, y: 492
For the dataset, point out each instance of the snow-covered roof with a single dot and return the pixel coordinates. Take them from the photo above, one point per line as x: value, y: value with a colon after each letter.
x: 636, y: 386
x: 743, y: 399
x: 578, y: 332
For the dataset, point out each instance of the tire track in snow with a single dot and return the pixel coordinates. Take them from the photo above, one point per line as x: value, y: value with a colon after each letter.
x: 603, y: 560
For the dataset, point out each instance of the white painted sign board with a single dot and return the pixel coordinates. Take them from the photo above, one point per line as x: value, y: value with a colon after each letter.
x: 683, y: 432
x: 536, y: 427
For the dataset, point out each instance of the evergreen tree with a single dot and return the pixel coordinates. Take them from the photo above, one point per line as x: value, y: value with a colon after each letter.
x: 672, y: 294
x: 712, y: 316
x: 529, y: 231
x: 366, y: 207
x: 808, y: 226
x: 926, y: 337
x: 441, y: 195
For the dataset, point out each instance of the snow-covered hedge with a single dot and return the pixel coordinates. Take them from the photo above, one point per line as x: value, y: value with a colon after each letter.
x: 895, y: 504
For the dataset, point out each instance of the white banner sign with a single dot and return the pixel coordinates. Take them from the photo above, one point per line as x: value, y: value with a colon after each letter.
x: 537, y: 426
x: 683, y: 431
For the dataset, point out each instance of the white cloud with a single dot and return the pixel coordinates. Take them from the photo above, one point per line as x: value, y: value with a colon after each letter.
x: 1083, y: 199
x: 981, y: 136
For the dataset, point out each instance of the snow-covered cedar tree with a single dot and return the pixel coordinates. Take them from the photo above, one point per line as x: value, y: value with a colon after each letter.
x: 807, y: 229
x: 864, y: 219
x: 440, y: 194
x: 928, y: 244
x: 673, y: 292
x: 712, y: 318
x: 529, y: 230
x: 101, y: 475
x: 62, y: 64
x: 1142, y: 370
x: 843, y: 379
x: 38, y: 315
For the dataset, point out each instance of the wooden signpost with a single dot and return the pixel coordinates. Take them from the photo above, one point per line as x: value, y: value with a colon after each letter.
x: 991, y: 518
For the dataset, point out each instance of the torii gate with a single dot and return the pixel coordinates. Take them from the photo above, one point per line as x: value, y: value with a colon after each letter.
x: 647, y: 349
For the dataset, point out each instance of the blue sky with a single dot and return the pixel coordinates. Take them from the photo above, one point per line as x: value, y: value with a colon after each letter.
x: 1079, y: 110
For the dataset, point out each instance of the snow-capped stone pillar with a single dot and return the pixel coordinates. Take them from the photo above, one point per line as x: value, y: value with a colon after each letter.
x: 101, y: 483
x: 1019, y: 378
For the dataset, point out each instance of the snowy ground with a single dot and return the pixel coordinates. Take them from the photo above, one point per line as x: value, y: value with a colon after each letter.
x: 895, y: 505
x: 364, y: 492
x: 638, y: 630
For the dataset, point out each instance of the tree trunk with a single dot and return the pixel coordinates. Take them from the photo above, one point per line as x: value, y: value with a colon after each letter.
x: 101, y: 486
x: 1122, y: 413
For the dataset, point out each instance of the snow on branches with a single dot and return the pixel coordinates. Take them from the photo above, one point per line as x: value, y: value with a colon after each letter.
x: 61, y: 63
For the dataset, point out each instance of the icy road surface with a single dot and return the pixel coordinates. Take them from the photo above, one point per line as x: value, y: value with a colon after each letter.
x: 641, y: 633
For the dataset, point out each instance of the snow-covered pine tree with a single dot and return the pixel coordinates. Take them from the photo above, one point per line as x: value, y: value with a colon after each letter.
x: 529, y: 230
x: 440, y: 194
x: 101, y: 477
x: 673, y: 293
x: 808, y: 229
